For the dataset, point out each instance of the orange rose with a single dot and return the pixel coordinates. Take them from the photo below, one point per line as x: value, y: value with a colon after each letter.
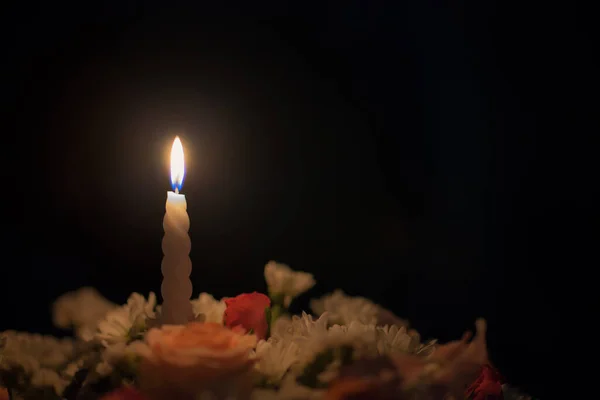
x: 248, y: 311
x: 182, y: 361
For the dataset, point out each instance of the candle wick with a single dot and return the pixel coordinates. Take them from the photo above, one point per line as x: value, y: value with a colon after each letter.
x: 176, y: 190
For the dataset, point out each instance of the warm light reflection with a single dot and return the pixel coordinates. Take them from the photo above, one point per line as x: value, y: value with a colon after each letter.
x: 177, y: 165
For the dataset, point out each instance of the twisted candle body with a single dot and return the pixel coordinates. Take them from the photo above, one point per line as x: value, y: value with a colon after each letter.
x: 176, y: 265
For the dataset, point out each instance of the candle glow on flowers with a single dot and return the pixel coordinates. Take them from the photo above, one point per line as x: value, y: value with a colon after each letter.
x: 300, y: 357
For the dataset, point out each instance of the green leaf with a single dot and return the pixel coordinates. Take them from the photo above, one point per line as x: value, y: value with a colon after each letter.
x: 345, y: 354
x: 268, y: 317
x: 310, y: 374
x: 72, y: 390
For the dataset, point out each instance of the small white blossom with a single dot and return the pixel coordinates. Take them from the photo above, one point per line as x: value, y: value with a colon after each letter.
x: 48, y: 378
x: 72, y: 368
x: 391, y: 339
x: 32, y: 352
x: 283, y: 281
x: 299, y: 328
x: 275, y: 357
x: 118, y: 352
x: 345, y: 309
x: 211, y: 309
x: 128, y: 321
x: 361, y: 338
x: 82, y: 310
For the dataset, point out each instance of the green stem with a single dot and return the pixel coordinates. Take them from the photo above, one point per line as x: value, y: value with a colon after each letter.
x: 275, y: 312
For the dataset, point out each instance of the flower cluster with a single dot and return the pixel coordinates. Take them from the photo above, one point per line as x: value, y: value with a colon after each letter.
x: 243, y: 347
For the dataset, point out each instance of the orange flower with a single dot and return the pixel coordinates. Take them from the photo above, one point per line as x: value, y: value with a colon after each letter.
x: 248, y: 311
x: 124, y: 393
x: 186, y: 359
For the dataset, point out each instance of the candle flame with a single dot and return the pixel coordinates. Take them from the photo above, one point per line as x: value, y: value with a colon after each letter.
x: 177, y: 165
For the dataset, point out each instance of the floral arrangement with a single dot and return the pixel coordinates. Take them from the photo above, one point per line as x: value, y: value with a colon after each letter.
x: 243, y: 347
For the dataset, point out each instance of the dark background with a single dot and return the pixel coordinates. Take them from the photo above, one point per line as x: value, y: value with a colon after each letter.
x: 426, y: 155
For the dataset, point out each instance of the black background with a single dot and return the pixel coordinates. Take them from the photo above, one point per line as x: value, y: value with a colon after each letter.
x: 429, y: 156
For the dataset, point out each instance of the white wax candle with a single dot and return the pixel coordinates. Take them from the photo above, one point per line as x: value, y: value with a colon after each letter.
x: 176, y: 266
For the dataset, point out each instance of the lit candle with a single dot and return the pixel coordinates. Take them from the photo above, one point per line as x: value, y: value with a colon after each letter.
x: 176, y: 266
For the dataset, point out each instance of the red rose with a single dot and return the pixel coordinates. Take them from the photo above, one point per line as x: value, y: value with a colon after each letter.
x: 124, y: 393
x: 248, y: 311
x: 488, y: 386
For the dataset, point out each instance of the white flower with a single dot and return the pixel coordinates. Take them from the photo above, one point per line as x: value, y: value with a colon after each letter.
x: 38, y: 357
x: 299, y: 328
x: 283, y: 281
x: 128, y: 321
x: 45, y: 377
x: 391, y: 339
x: 72, y: 368
x: 361, y: 338
x: 212, y: 309
x: 32, y: 352
x: 345, y: 309
x: 275, y: 357
x: 118, y: 352
x: 82, y: 310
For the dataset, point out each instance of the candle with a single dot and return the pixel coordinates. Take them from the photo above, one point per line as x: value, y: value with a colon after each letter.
x: 176, y: 266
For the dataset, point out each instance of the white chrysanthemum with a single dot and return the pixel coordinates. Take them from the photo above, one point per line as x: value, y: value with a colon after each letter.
x: 360, y: 337
x: 366, y: 340
x: 128, y: 321
x: 46, y: 378
x: 82, y: 310
x: 213, y: 310
x: 32, y: 352
x: 392, y: 339
x: 73, y: 367
x: 275, y: 357
x: 345, y: 309
x: 283, y: 281
x: 299, y: 328
x: 118, y: 352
